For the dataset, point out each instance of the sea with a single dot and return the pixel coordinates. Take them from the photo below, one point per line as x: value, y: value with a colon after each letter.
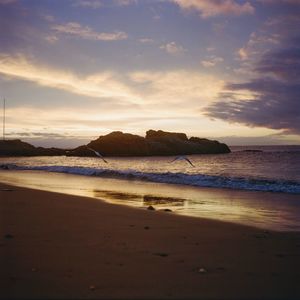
x: 248, y: 185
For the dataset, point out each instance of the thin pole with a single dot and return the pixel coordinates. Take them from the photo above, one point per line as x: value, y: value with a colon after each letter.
x: 3, y: 119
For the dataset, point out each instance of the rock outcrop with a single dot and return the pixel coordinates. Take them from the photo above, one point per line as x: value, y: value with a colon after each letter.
x: 156, y: 143
x: 118, y: 143
x: 19, y: 148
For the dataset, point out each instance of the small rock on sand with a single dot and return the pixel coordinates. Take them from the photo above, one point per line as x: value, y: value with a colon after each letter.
x: 202, y: 270
x: 9, y: 236
x: 161, y: 254
x: 150, y: 207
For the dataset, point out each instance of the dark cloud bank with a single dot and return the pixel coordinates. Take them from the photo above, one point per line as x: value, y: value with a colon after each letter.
x: 276, y: 103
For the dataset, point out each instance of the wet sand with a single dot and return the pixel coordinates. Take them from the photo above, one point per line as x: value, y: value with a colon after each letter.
x: 68, y: 247
x: 268, y: 211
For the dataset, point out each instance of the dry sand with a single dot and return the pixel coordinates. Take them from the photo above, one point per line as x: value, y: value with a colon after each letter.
x: 68, y: 247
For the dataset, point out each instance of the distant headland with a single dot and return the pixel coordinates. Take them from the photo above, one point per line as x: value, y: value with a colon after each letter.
x: 117, y: 143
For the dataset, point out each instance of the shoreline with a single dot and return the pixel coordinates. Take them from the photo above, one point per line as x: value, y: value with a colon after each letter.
x: 266, y: 210
x: 63, y: 246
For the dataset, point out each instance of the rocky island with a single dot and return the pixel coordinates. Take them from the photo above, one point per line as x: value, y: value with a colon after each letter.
x: 155, y: 143
x: 117, y: 143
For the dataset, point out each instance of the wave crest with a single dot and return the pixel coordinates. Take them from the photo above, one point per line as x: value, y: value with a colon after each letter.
x: 200, y: 180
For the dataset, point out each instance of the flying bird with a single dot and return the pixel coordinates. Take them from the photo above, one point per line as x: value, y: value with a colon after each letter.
x: 182, y: 158
x: 98, y: 154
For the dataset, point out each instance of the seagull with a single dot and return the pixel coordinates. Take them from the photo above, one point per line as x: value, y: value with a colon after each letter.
x: 98, y: 154
x: 182, y: 158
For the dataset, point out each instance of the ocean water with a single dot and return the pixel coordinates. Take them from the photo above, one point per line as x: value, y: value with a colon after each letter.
x: 275, y: 169
x: 259, y: 189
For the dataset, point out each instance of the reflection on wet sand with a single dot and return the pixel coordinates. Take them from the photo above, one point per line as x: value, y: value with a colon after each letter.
x: 157, y: 200
x: 113, y: 195
x: 144, y: 200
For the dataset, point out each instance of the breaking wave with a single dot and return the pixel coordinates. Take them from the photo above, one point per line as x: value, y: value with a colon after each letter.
x: 198, y: 180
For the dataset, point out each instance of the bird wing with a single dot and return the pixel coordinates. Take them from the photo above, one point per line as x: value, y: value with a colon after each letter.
x: 189, y: 161
x: 98, y: 154
x: 176, y: 158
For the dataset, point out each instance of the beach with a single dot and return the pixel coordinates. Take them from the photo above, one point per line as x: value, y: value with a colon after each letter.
x: 150, y: 149
x: 69, y: 247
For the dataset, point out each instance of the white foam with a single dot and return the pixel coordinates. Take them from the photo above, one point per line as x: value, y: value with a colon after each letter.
x: 201, y: 180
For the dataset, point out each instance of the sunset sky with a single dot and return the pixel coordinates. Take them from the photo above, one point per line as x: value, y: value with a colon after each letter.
x: 72, y: 70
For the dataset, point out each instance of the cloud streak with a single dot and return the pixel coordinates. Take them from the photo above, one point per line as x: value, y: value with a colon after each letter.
x: 211, y: 8
x: 94, y: 4
x: 186, y: 89
x: 85, y: 32
x: 212, y: 61
x: 99, y: 85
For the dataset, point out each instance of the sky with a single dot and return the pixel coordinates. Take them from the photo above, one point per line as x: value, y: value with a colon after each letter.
x: 72, y: 70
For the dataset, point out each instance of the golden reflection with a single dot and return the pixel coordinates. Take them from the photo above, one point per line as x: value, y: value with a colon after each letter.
x: 145, y: 200
x: 113, y: 195
x: 160, y: 200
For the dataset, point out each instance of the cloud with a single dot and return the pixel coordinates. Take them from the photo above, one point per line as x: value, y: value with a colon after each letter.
x: 283, y: 64
x: 186, y: 89
x: 272, y: 35
x: 243, y: 53
x: 270, y: 139
x: 212, y: 61
x: 172, y: 48
x: 258, y: 43
x: 37, y: 134
x: 143, y: 88
x: 125, y: 2
x: 48, y: 18
x: 211, y: 8
x: 85, y: 32
x: 279, y: 2
x: 52, y: 39
x: 271, y: 99
x: 210, y: 49
x: 94, y: 4
x: 99, y: 85
x: 146, y: 41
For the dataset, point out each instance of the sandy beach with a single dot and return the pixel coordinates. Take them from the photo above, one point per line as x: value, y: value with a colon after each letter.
x: 69, y: 247
x: 150, y: 149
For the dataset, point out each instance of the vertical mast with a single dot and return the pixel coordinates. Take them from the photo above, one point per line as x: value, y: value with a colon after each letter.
x: 4, y: 119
